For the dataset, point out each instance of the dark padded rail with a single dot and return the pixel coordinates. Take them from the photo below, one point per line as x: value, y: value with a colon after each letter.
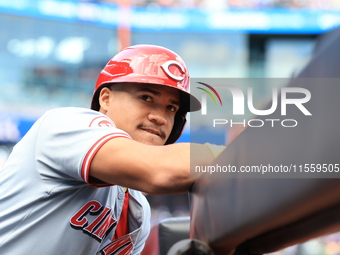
x: 165, y: 234
x: 239, y: 215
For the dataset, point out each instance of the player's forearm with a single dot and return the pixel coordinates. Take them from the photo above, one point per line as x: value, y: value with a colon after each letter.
x: 151, y: 169
x: 177, y: 162
x: 161, y: 170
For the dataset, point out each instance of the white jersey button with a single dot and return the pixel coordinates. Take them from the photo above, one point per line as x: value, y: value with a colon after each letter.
x: 121, y: 195
x: 139, y: 215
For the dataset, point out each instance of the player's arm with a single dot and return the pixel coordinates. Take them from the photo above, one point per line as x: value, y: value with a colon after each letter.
x: 147, y: 168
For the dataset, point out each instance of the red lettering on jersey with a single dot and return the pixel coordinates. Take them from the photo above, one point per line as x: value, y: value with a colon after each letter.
x: 122, y: 246
x: 105, y: 227
x: 101, y: 225
x: 90, y: 228
x: 79, y: 220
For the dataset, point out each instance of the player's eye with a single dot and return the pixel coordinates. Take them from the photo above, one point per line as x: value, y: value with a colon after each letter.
x: 172, y: 108
x: 146, y: 98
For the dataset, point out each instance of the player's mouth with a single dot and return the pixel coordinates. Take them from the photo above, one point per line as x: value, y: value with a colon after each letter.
x: 153, y: 131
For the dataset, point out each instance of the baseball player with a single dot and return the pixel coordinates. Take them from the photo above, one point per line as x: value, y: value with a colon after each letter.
x: 72, y: 184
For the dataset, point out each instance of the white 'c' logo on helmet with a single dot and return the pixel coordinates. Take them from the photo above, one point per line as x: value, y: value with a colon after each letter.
x: 165, y: 68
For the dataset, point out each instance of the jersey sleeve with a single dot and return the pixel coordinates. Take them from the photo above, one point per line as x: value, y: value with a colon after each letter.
x: 67, y: 141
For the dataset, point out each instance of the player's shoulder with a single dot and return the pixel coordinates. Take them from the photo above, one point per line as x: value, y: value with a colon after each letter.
x: 71, y: 110
x: 78, y: 115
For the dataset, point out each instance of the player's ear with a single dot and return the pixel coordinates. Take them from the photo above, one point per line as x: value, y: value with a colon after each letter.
x: 104, y: 98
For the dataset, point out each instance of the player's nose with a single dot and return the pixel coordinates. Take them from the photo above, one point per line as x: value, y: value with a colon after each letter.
x: 157, y: 117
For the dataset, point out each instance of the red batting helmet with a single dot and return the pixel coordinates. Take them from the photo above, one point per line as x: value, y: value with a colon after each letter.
x: 152, y: 65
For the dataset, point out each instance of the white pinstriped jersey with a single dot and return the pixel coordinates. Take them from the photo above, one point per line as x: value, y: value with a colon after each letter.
x: 48, y: 202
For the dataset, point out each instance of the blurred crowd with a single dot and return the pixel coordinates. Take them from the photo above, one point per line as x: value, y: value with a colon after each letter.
x: 310, y: 4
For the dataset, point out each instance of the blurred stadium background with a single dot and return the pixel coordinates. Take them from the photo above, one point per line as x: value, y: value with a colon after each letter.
x: 51, y: 52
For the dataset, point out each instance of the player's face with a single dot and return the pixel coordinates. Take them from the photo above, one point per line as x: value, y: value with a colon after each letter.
x: 145, y: 111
